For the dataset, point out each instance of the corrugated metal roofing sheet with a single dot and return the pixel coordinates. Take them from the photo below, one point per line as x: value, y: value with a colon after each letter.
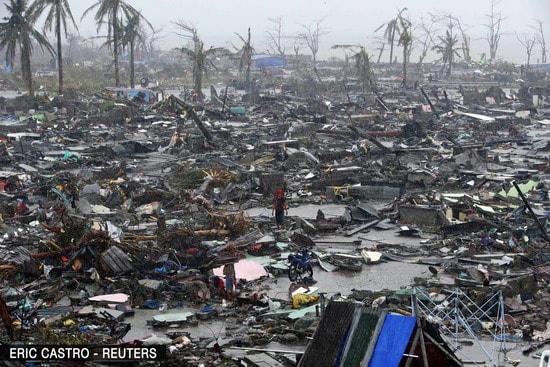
x: 117, y: 260
x: 329, y: 336
x: 361, y: 339
x: 392, y: 341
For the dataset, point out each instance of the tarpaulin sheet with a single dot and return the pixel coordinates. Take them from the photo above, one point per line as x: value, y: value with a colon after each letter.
x: 266, y: 61
x: 392, y: 341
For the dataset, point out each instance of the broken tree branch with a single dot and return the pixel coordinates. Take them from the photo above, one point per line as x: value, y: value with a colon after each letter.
x: 541, y: 227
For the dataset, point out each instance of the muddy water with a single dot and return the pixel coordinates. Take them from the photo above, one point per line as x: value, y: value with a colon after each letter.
x: 387, y: 275
x: 391, y: 275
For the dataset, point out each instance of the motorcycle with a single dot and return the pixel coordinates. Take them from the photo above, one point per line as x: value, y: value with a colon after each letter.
x: 300, y: 265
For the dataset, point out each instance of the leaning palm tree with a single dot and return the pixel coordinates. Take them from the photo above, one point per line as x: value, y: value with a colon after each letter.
x: 130, y: 35
x: 199, y: 57
x: 17, y: 30
x: 110, y: 12
x: 57, y: 18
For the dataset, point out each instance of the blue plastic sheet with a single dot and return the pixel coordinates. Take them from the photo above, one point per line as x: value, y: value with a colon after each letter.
x: 392, y: 341
x: 207, y: 309
x: 267, y: 61
x: 152, y: 304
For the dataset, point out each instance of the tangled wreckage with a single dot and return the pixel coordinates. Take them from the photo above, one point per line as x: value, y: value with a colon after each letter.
x: 119, y: 222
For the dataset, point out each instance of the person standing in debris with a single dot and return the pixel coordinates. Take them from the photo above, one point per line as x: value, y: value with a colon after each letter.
x: 229, y: 274
x: 200, y: 291
x: 279, y: 208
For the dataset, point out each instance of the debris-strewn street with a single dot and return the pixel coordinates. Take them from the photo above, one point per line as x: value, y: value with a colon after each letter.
x: 124, y: 221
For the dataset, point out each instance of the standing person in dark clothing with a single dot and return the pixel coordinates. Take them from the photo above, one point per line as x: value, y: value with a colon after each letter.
x: 229, y: 274
x: 279, y: 208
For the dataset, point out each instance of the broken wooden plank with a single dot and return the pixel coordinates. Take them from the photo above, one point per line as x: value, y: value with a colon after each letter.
x: 261, y: 360
x: 361, y: 228
x: 286, y: 351
x: 428, y: 100
x: 474, y: 115
x: 367, y: 136
x: 200, y: 125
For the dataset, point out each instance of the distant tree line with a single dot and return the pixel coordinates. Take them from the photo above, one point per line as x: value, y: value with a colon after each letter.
x: 126, y: 28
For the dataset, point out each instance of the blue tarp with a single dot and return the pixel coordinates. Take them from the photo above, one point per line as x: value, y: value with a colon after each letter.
x: 267, y: 61
x: 392, y: 341
x: 539, y: 67
x: 7, y: 67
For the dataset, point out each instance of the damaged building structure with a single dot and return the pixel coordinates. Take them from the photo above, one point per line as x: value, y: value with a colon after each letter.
x: 116, y: 225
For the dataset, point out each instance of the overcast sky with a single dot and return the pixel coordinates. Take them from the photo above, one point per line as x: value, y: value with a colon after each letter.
x: 345, y: 21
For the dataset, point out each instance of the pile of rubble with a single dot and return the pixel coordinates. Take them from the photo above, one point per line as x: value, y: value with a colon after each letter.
x: 141, y: 207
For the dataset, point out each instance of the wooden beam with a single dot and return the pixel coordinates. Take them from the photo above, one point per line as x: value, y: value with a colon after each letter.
x: 286, y: 351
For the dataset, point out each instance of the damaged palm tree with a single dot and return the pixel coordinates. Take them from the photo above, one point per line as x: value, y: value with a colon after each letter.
x: 213, y: 177
x: 237, y: 224
x: 244, y: 54
x: 448, y: 48
x: 405, y: 40
x: 17, y: 31
x: 391, y: 31
x: 130, y: 35
x: 362, y: 66
x: 200, y: 58
x: 57, y: 15
x: 110, y: 13
x: 222, y: 223
x: 364, y: 71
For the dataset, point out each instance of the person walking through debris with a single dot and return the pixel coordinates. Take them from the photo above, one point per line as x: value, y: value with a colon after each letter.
x: 229, y: 274
x: 279, y: 208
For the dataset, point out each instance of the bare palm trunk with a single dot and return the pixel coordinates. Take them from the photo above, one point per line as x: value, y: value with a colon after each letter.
x: 198, y: 84
x: 132, y: 67
x: 247, y: 78
x: 391, y: 45
x: 405, y: 65
x: 115, y: 51
x: 380, y: 53
x: 59, y: 52
x: 26, y: 68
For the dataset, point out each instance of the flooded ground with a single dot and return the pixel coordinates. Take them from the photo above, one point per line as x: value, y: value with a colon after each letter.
x: 385, y: 275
